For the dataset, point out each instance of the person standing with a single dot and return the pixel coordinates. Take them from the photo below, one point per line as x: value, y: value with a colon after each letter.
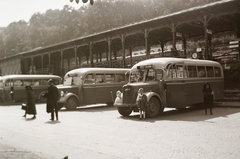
x: 142, y: 103
x: 31, y: 106
x: 208, y: 97
x: 52, y: 98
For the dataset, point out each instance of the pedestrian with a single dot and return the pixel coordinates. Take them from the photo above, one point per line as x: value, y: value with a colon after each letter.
x: 142, y: 103
x: 31, y: 106
x: 208, y: 97
x: 52, y: 98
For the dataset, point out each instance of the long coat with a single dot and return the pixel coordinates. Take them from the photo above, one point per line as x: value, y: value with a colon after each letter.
x: 52, y: 98
x: 208, y: 97
x: 31, y: 107
x: 142, y: 102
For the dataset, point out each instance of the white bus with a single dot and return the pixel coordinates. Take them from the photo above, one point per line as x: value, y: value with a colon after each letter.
x: 170, y: 82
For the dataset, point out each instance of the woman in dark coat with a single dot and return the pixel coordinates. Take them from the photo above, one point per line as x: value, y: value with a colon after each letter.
x: 31, y: 107
x: 208, y: 97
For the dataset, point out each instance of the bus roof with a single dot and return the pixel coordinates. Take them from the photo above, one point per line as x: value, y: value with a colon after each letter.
x: 81, y: 71
x: 18, y: 76
x: 163, y: 62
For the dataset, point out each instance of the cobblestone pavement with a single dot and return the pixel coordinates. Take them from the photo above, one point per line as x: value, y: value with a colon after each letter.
x: 100, y: 132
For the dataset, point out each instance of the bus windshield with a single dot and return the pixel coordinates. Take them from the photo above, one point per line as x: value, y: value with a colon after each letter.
x: 146, y: 74
x: 70, y: 80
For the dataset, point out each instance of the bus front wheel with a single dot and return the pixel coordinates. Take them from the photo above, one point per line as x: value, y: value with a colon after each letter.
x: 72, y: 103
x: 124, y: 111
x: 153, y: 108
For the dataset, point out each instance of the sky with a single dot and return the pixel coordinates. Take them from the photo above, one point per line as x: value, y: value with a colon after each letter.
x: 15, y: 10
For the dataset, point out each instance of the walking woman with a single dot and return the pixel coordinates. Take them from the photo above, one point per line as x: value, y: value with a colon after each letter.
x: 208, y: 97
x: 31, y: 107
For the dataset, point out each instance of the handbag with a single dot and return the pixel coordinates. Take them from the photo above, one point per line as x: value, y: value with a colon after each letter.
x: 24, y: 106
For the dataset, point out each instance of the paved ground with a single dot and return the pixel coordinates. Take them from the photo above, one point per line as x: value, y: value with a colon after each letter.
x: 100, y: 132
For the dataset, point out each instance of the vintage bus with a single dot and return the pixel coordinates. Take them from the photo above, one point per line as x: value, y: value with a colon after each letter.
x: 170, y: 82
x: 12, y: 87
x: 85, y: 86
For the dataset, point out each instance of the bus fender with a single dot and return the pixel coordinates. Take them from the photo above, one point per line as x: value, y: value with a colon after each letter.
x: 153, y: 94
x: 64, y: 98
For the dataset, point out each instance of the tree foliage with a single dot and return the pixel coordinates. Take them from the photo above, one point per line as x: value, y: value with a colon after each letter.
x: 55, y: 26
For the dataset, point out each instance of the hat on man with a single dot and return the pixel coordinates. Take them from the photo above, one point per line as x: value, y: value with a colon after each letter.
x: 50, y: 80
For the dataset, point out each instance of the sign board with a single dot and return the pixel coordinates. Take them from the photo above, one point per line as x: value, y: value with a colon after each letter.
x: 199, y: 49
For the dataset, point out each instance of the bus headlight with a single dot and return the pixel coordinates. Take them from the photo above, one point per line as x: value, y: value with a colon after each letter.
x: 62, y: 93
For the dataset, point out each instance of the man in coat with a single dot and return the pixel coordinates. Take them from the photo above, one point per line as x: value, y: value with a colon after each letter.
x: 52, y: 98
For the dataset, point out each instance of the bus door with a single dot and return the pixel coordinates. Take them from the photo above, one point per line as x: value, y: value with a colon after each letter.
x: 175, y: 86
x: 89, y: 95
x: 106, y: 89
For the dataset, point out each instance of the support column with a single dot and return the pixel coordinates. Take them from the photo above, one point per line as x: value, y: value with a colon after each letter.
x: 42, y: 62
x: 75, y: 54
x: 123, y: 49
x: 62, y: 63
x: 91, y: 53
x: 31, y: 71
x: 184, y: 41
x: 174, y: 36
x: 147, y: 48
x: 206, y: 36
x: 109, y: 40
x: 130, y: 53
x: 49, y: 63
x: 210, y: 46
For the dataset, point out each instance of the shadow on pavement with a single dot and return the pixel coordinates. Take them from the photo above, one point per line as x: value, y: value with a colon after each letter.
x: 92, y: 108
x: 188, y: 114
x: 53, y: 122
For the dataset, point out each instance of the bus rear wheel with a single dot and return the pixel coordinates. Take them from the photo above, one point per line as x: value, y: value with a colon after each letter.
x: 153, y: 108
x: 72, y: 103
x: 124, y: 111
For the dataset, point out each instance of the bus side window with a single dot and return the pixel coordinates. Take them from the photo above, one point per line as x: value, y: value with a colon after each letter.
x: 120, y: 78
x: 27, y: 82
x: 201, y: 71
x: 36, y: 82
x: 179, y: 71
x: 172, y: 72
x: 109, y: 78
x: 192, y: 71
x: 159, y: 74
x: 99, y: 78
x: 89, y: 79
x: 7, y: 83
x: 217, y: 72
x: 210, y: 72
x: 18, y: 83
x: 44, y: 82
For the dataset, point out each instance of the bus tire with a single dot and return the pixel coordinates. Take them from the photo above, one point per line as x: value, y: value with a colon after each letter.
x: 153, y: 108
x: 71, y: 103
x: 124, y: 111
